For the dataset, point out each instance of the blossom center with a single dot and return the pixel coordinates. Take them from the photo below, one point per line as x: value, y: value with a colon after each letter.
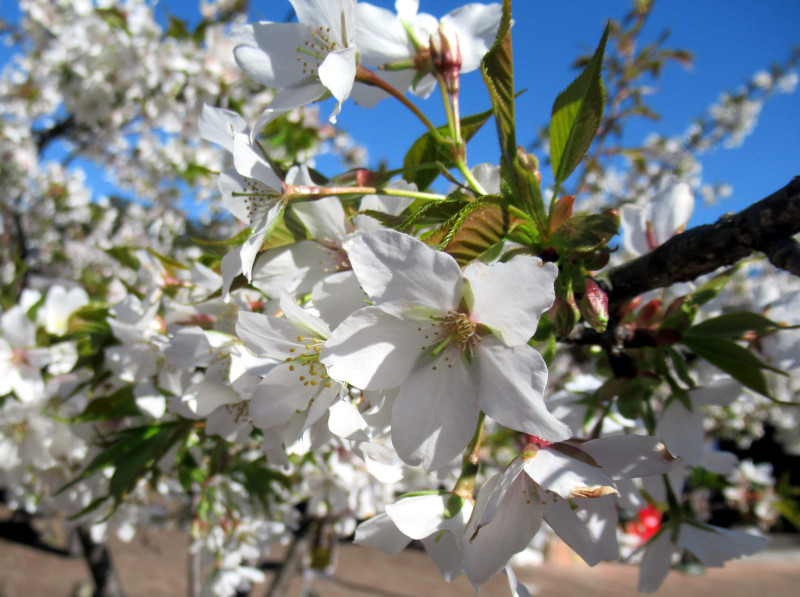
x: 310, y: 372
x: 454, y: 330
x: 314, y: 50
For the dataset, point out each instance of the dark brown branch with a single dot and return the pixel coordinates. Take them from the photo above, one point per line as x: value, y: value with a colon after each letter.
x: 766, y: 226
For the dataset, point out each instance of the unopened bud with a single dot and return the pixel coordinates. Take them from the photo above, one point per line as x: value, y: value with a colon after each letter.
x: 594, y: 306
x: 529, y: 162
x: 446, y: 57
x: 562, y: 211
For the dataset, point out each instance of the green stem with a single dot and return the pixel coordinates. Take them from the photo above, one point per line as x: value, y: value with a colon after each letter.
x: 366, y: 76
x: 465, y: 486
x: 468, y: 176
x: 302, y: 192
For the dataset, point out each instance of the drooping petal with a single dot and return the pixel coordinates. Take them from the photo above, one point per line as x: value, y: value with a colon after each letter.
x: 510, y: 297
x: 337, y: 73
x: 656, y: 562
x: 682, y: 431
x: 572, y: 528
x: 511, y: 381
x: 566, y: 476
x: 630, y: 455
x: 713, y: 546
x: 219, y: 126
x: 381, y: 533
x: 395, y: 267
x: 420, y: 515
x: 488, y: 548
x: 435, y: 413
x: 445, y: 550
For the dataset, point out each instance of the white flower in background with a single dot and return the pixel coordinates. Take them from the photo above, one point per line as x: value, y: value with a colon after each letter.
x: 22, y: 361
x: 571, y: 487
x: 646, y: 227
x: 454, y: 343
x: 306, y: 60
x: 59, y: 304
x: 298, y: 386
x: 437, y: 520
x: 713, y: 546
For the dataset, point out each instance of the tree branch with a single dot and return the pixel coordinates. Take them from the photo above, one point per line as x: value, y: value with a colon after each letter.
x: 766, y: 226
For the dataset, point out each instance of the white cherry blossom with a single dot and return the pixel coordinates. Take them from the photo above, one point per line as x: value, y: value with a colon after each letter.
x: 454, y: 343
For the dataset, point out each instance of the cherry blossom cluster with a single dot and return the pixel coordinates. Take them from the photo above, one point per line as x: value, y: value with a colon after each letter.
x: 363, y: 355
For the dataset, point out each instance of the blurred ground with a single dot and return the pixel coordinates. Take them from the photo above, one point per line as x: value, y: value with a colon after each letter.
x: 155, y: 565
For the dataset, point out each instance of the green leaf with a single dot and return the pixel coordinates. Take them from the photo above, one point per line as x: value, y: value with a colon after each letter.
x: 738, y: 362
x: 577, y: 113
x: 177, y: 28
x: 712, y: 288
x: 133, y: 454
x: 426, y: 150
x: 584, y: 233
x: 497, y: 67
x: 115, y: 17
x: 732, y: 325
x: 121, y: 403
x: 125, y: 255
x: 260, y: 480
x: 473, y: 230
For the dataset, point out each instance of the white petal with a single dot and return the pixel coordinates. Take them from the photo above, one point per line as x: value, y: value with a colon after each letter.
x: 338, y: 296
x: 656, y: 563
x: 324, y: 219
x: 372, y: 349
x: 267, y: 52
x: 279, y: 397
x: 682, y: 432
x: 381, y: 533
x: 267, y: 336
x: 419, y: 516
x: 519, y: 516
x: 629, y: 455
x: 296, y: 267
x: 634, y: 230
x: 338, y: 71
x: 435, y: 413
x: 392, y: 266
x: 564, y: 475
x: 671, y: 211
x: 380, y: 36
x: 713, y: 546
x: 476, y: 26
x: 573, y: 530
x: 444, y: 549
x: 219, y: 126
x: 302, y: 318
x: 510, y: 297
x: 251, y: 164
x: 722, y: 391
x: 510, y: 385
x: 346, y: 422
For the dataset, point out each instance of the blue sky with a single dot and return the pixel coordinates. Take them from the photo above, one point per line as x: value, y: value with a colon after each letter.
x: 730, y: 41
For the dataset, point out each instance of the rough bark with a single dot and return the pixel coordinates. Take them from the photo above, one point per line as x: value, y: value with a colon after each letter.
x: 766, y: 226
